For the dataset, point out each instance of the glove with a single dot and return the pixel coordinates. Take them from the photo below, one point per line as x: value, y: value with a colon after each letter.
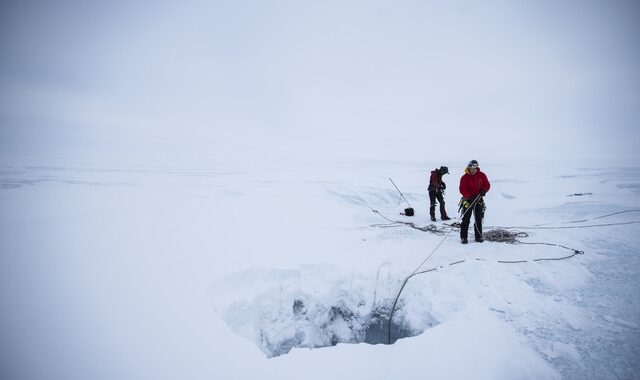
x: 463, y: 205
x: 444, y: 186
x: 482, y: 193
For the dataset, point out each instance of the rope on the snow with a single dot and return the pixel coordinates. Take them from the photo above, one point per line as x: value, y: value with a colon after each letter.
x: 545, y: 226
x: 498, y: 234
x: 442, y: 230
x: 588, y: 219
x: 397, y: 223
x: 415, y: 273
x: 501, y: 234
x: 395, y: 302
x: 511, y: 237
x: 504, y: 236
x: 615, y: 213
x: 565, y: 227
x: 576, y: 252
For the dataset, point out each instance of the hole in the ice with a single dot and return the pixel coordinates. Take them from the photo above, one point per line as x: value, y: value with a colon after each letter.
x: 317, y: 306
x: 314, y: 326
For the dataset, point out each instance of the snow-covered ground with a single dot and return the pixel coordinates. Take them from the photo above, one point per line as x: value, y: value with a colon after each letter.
x: 234, y: 270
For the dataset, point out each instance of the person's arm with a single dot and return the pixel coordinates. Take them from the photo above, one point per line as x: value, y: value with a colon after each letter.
x: 488, y: 184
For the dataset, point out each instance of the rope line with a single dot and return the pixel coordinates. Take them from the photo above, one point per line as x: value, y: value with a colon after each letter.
x: 395, y: 302
x: 402, y: 195
x: 576, y: 252
x: 498, y: 234
x: 565, y: 227
x: 615, y: 213
x: 588, y: 219
x: 398, y: 223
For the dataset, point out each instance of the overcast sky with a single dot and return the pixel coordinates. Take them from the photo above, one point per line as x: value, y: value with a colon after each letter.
x: 355, y: 78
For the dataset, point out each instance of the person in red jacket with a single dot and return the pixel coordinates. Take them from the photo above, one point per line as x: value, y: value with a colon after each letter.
x: 474, y: 184
x: 436, y: 191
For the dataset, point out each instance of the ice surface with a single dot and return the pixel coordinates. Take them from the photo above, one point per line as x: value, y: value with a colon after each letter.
x: 212, y: 271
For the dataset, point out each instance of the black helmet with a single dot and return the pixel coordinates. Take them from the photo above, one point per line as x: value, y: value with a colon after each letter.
x: 444, y: 170
x: 472, y: 164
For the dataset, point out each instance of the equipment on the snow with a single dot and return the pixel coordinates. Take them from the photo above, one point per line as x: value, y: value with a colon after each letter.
x: 579, y: 194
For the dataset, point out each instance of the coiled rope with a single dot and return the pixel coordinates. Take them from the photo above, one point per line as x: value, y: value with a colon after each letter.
x: 504, y: 236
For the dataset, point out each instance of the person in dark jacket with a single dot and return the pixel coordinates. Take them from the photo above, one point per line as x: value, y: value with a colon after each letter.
x: 436, y: 191
x: 474, y: 184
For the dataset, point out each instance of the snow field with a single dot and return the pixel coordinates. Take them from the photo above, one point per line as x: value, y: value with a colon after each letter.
x: 169, y: 272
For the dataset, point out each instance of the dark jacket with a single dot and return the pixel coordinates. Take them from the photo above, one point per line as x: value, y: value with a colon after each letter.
x: 435, y: 182
x: 472, y: 185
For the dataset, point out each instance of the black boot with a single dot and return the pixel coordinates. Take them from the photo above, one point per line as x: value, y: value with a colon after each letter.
x: 432, y: 212
x: 464, y: 240
x: 443, y: 213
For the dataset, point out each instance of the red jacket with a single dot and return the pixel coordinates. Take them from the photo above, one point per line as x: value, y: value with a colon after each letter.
x: 472, y: 185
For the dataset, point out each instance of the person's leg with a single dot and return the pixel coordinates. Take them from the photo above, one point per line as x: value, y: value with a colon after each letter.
x: 464, y: 226
x: 479, y: 215
x: 432, y: 208
x: 443, y: 212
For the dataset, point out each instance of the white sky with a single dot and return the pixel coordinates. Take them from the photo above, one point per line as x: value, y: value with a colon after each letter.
x: 349, y: 78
